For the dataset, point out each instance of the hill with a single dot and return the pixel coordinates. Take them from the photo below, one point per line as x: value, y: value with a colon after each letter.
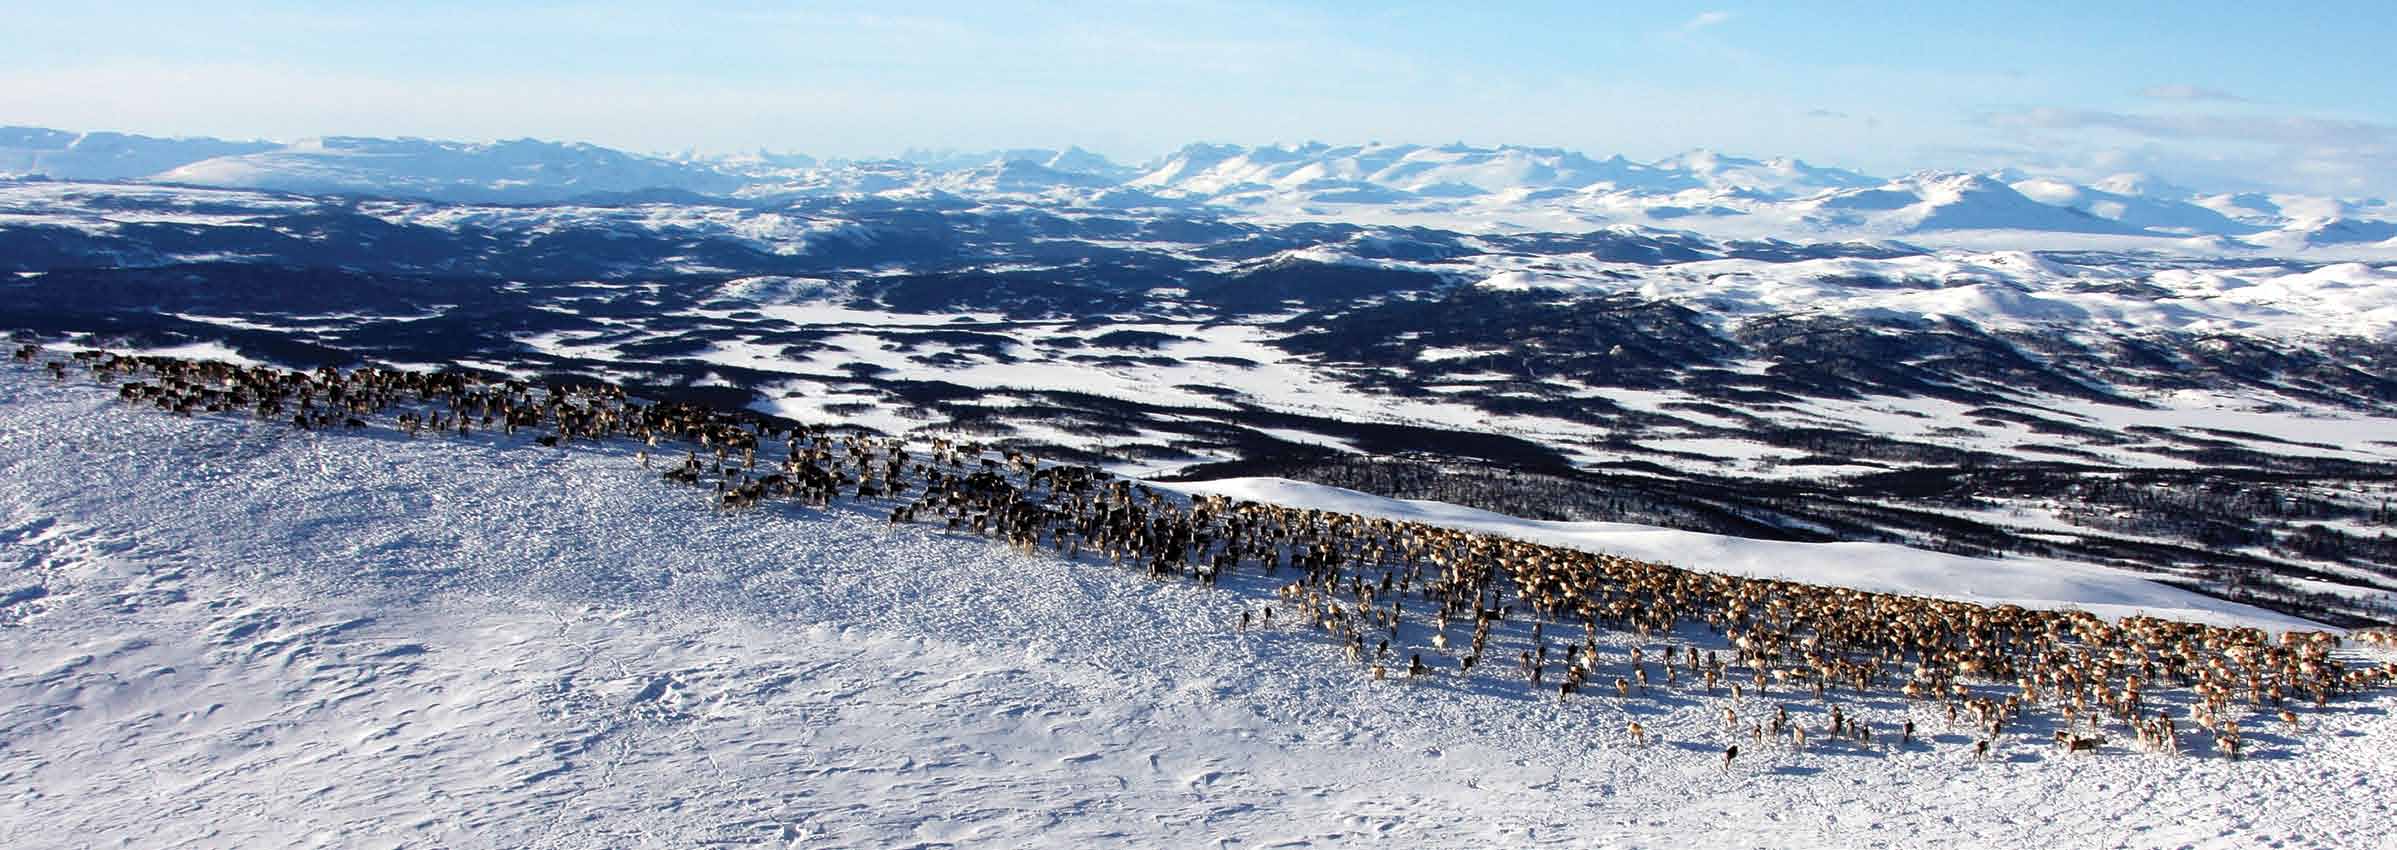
x: 271, y: 637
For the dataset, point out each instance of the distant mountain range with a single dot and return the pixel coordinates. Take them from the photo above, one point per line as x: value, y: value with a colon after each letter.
x: 1458, y: 187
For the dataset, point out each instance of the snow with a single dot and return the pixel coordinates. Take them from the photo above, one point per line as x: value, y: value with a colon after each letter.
x: 810, y: 401
x: 1437, y: 353
x: 519, y: 170
x: 1996, y: 289
x: 1503, y: 188
x: 1276, y: 378
x: 263, y: 638
x: 199, y: 351
x: 2008, y: 289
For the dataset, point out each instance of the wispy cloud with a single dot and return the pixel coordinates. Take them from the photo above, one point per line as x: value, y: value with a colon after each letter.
x: 1704, y: 20
x: 2183, y: 92
x: 2265, y: 129
x: 2330, y: 155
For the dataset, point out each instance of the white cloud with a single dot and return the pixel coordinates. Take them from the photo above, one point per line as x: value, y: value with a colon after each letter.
x: 2268, y: 129
x: 1705, y: 19
x: 2189, y: 93
x: 2215, y: 150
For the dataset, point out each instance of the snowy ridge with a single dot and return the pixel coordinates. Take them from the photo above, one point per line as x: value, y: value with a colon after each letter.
x: 1505, y: 188
x: 1511, y: 188
x: 1417, y: 169
x: 484, y: 644
x: 2001, y: 289
x: 106, y: 156
x: 520, y: 170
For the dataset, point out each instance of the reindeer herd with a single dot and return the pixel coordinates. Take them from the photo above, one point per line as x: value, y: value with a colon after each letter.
x: 1410, y: 601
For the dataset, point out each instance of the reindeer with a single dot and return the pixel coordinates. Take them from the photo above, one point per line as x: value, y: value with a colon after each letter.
x: 2076, y: 744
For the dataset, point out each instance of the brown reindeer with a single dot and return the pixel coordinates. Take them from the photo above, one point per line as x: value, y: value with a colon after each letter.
x: 2077, y: 744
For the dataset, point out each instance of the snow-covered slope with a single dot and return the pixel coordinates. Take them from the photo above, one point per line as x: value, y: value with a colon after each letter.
x: 520, y: 170
x: 261, y: 638
x: 1514, y: 188
x: 106, y: 156
x: 2003, y: 289
x: 1930, y: 201
x: 1018, y: 176
x: 1503, y: 188
x: 1444, y: 170
x: 2135, y: 203
x: 1784, y: 177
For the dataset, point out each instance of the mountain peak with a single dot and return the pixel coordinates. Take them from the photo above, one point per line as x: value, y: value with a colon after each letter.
x: 1453, y: 184
x: 2144, y: 186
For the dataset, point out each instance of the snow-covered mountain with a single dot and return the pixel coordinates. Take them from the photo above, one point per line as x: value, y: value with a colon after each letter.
x: 1779, y: 177
x: 1458, y: 187
x: 107, y: 156
x: 1936, y: 201
x: 1707, y: 192
x: 523, y: 170
x: 1463, y: 170
x: 1444, y: 171
x: 2129, y: 200
x: 1018, y: 176
x: 1072, y: 159
x: 270, y: 638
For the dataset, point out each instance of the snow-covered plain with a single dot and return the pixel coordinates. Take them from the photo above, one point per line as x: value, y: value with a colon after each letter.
x: 1243, y: 359
x: 219, y: 633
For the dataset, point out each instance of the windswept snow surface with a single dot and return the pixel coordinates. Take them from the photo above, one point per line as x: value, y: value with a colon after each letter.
x: 220, y: 633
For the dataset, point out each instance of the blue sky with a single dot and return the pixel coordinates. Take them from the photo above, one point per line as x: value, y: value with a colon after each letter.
x: 2225, y: 94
